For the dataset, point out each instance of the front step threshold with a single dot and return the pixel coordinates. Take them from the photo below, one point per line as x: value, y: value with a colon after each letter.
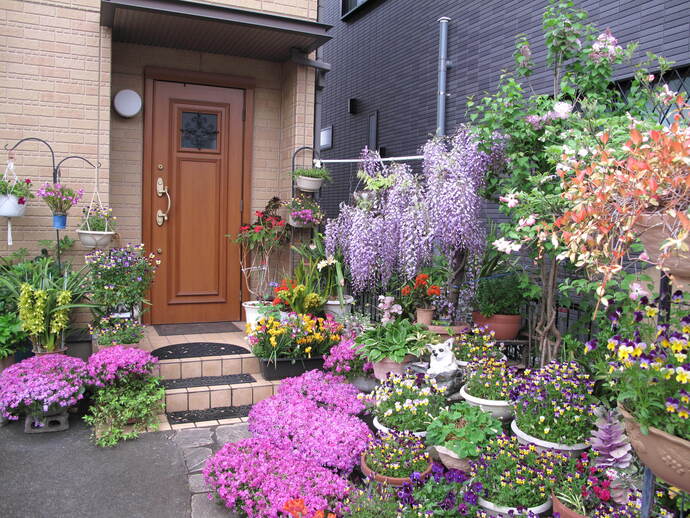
x: 202, y: 366
x: 208, y: 417
x: 204, y: 397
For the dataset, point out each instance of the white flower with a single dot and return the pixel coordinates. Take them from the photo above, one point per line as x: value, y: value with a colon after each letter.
x: 637, y: 291
x: 528, y: 221
x: 510, y: 199
x: 506, y: 246
x: 562, y: 110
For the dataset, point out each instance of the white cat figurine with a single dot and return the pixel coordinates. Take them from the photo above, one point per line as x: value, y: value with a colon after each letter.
x: 442, y: 358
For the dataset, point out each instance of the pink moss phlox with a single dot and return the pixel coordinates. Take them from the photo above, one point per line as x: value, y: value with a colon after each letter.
x: 116, y: 362
x: 324, y: 388
x: 41, y: 383
x: 259, y: 475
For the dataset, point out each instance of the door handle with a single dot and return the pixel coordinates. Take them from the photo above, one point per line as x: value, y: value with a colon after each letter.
x: 162, y: 189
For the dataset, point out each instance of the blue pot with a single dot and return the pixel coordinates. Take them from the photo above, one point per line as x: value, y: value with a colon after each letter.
x: 60, y: 221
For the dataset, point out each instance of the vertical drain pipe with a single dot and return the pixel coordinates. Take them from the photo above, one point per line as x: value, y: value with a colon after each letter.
x: 443, y: 65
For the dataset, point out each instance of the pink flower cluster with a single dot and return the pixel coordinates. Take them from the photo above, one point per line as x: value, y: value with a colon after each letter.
x: 306, y: 441
x: 305, y: 216
x: 343, y: 359
x: 114, y: 363
x: 260, y: 475
x: 41, y: 384
x: 59, y: 197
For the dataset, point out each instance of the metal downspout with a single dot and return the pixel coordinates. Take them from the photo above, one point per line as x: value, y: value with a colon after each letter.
x: 443, y: 66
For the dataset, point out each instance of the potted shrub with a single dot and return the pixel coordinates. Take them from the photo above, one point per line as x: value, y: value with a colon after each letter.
x: 391, y: 346
x: 441, y: 494
x: 420, y: 294
x: 651, y: 378
x: 460, y: 432
x: 517, y: 478
x: 554, y: 408
x: 310, y: 180
x: 110, y: 331
x: 488, y: 387
x: 59, y: 199
x: 11, y: 335
x: 498, y: 302
x: 258, y: 241
x: 304, y: 212
x: 393, y: 457
x: 42, y: 388
x: 127, y: 397
x: 97, y: 227
x: 291, y: 346
x: 14, y: 195
x: 407, y: 404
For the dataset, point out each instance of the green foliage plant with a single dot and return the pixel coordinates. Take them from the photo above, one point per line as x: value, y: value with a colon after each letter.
x: 394, y: 340
x: 315, y: 172
x: 11, y: 334
x: 464, y: 429
x: 502, y: 294
x: 374, y: 501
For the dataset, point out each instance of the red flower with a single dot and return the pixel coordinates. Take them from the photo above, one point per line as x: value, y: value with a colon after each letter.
x: 259, y: 214
x: 258, y: 228
x: 27, y: 181
x: 421, y: 280
x: 21, y: 200
x: 433, y: 290
x: 406, y: 290
x: 295, y: 507
x: 244, y: 228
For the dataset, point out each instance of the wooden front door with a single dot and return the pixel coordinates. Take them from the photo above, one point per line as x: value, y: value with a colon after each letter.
x: 193, y: 196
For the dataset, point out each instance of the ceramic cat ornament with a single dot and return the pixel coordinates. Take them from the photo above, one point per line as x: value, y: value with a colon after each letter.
x: 442, y: 358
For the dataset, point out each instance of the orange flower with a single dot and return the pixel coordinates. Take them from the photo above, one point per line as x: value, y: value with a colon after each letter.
x: 295, y: 507
x: 433, y: 290
x: 406, y: 290
x: 421, y: 280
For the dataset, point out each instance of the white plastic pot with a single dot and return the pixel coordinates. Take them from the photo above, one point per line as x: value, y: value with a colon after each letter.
x: 541, y: 445
x: 251, y: 311
x: 10, y: 206
x: 499, y: 409
x: 95, y: 239
x: 308, y: 184
x: 334, y: 308
x: 385, y: 429
x: 501, y: 510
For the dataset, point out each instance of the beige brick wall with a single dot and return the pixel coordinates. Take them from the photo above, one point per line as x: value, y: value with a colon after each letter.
x: 284, y: 94
x: 300, y: 8
x: 49, y: 84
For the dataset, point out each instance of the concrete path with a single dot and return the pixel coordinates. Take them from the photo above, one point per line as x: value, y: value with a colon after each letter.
x: 63, y: 474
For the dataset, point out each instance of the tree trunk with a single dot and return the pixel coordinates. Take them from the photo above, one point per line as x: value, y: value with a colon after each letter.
x: 547, y: 334
x: 458, y: 271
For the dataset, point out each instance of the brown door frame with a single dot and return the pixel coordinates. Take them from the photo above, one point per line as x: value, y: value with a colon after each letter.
x: 247, y: 84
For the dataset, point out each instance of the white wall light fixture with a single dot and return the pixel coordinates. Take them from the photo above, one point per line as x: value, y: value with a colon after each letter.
x: 127, y: 103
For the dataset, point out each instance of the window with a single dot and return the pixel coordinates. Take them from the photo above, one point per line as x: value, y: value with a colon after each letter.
x: 373, y: 137
x: 199, y: 131
x: 349, y: 6
x: 326, y: 141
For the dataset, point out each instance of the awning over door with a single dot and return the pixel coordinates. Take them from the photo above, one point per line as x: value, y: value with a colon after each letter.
x: 211, y: 28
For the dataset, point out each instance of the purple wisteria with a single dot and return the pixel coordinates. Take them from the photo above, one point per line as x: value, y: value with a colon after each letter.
x: 41, y: 384
x: 117, y: 362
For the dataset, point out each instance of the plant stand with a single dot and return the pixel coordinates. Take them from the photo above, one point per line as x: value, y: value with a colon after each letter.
x: 47, y: 423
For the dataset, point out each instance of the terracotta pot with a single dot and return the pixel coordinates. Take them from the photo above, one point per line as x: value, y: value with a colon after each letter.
x: 6, y: 362
x: 542, y: 445
x: 384, y: 367
x: 391, y: 481
x: 653, y: 232
x: 666, y: 455
x: 442, y: 331
x: 425, y: 316
x: 505, y: 327
x: 562, y: 510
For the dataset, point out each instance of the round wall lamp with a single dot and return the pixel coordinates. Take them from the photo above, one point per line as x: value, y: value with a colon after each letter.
x: 127, y: 103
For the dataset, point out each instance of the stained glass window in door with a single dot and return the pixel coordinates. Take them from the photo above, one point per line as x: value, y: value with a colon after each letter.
x: 199, y: 130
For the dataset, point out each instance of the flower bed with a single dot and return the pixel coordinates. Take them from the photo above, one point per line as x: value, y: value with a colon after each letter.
x: 41, y: 384
x: 325, y: 389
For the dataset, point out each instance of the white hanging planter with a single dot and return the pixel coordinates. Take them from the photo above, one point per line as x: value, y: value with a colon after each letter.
x: 95, y: 239
x: 10, y: 206
x: 308, y: 184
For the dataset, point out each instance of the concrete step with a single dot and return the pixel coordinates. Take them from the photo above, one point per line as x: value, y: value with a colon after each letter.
x: 199, y: 366
x: 219, y: 395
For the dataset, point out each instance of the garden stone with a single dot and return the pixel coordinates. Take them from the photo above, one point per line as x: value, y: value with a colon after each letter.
x: 195, y: 458
x: 202, y: 507
x: 44, y: 424
x: 231, y: 433
x: 197, y: 484
x: 193, y: 437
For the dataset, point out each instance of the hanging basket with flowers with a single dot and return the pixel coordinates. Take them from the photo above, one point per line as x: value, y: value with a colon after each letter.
x: 59, y: 199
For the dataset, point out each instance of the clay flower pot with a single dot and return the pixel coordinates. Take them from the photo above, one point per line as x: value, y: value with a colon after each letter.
x: 425, y: 316
x: 562, y: 510
x: 62, y: 350
x: 505, y: 327
x: 499, y: 409
x: 390, y: 481
x: 541, y: 445
x: 384, y: 367
x: 442, y: 331
x: 6, y: 362
x: 666, y: 455
x: 504, y: 511
x: 652, y: 229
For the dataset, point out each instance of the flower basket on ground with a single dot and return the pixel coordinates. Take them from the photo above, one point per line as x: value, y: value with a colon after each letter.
x: 97, y: 227
x: 488, y: 387
x: 40, y: 387
x: 59, y: 199
x: 394, y: 457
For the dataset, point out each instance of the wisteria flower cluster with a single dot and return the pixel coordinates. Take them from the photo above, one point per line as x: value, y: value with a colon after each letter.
x: 260, y: 475
x: 41, y: 384
x: 121, y: 276
x: 516, y: 475
x: 555, y: 403
x: 113, y: 364
x: 408, y: 403
x: 58, y: 197
x: 441, y: 494
x: 397, y: 454
x: 344, y: 359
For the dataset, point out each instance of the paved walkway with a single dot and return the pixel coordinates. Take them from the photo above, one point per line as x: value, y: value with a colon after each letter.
x: 63, y: 474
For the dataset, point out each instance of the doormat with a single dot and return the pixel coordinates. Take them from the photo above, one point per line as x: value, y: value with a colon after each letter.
x: 208, y: 381
x: 195, y: 329
x: 208, y: 414
x: 196, y: 349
